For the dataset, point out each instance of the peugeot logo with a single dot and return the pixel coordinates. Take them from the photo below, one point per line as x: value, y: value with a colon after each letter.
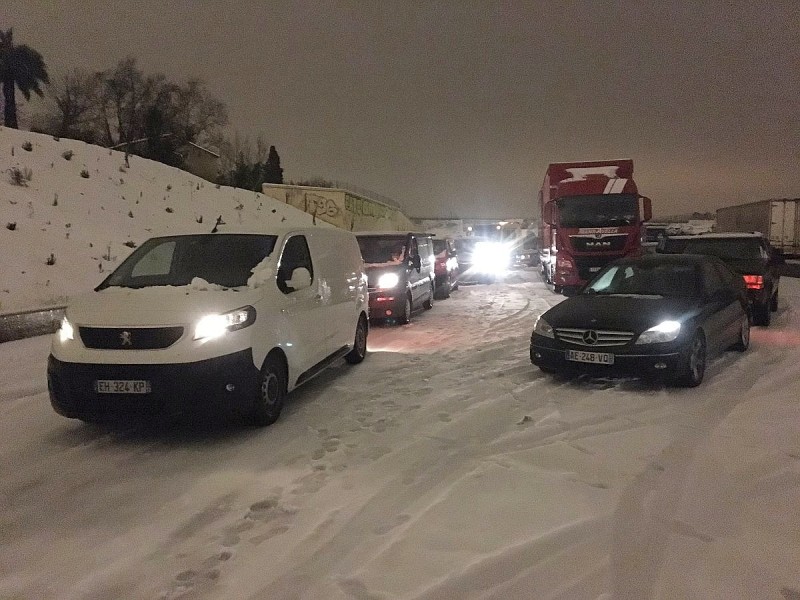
x: 125, y: 338
x: 590, y: 337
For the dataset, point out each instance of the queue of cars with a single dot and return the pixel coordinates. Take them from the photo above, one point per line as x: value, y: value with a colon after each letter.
x: 237, y: 320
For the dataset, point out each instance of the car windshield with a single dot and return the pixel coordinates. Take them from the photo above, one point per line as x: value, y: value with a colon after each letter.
x: 646, y: 279
x: 602, y: 210
x: 726, y: 249
x: 223, y: 259
x: 378, y: 250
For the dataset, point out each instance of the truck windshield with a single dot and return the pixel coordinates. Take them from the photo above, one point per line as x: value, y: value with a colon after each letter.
x: 601, y: 210
x: 223, y: 259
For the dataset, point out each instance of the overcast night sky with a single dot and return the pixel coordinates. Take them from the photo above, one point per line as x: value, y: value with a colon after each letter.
x: 455, y: 107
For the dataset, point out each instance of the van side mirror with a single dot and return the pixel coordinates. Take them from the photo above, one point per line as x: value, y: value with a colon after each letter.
x: 416, y: 262
x: 301, y: 279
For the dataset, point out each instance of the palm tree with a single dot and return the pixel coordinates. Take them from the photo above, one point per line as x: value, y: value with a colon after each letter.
x: 20, y: 67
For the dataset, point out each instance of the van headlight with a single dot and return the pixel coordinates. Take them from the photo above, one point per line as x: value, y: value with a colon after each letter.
x: 66, y: 332
x: 543, y: 328
x: 388, y: 281
x: 214, y: 326
x: 666, y: 331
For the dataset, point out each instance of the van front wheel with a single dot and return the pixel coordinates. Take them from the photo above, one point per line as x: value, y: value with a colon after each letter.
x: 271, y: 392
x: 404, y: 318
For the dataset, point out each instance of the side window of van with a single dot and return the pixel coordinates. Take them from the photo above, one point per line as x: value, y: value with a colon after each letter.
x: 295, y: 255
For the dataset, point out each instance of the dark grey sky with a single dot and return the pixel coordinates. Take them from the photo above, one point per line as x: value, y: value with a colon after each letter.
x: 455, y: 107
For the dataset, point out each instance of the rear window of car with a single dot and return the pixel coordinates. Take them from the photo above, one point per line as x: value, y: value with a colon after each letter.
x: 726, y: 249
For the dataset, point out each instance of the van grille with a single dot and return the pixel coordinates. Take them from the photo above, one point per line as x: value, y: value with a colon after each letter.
x: 129, y: 338
x: 594, y: 337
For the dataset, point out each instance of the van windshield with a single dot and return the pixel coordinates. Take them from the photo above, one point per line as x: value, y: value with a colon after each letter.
x: 222, y: 259
x: 380, y: 250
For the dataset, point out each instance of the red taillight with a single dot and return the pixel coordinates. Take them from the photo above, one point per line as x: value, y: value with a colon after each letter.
x: 754, y: 282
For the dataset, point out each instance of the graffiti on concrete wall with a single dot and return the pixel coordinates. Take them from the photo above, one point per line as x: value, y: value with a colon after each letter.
x: 324, y: 208
x: 362, y: 207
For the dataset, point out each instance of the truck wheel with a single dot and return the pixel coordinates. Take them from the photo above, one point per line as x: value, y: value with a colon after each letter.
x: 692, y: 367
x: 359, y: 351
x: 271, y: 392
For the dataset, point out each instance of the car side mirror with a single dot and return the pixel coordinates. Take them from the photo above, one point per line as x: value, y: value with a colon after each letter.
x: 416, y: 262
x: 777, y: 258
x: 301, y: 279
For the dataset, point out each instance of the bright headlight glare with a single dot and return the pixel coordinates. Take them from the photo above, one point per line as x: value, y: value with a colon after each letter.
x: 542, y: 327
x: 491, y: 257
x: 214, y: 326
x: 388, y: 280
x: 666, y: 331
x: 66, y: 332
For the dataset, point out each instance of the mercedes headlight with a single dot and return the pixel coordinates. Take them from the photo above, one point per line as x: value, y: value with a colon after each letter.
x: 214, y: 326
x: 666, y: 331
x: 543, y: 328
x: 388, y: 281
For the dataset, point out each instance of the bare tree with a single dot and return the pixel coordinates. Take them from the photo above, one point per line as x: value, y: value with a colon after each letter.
x: 73, y: 110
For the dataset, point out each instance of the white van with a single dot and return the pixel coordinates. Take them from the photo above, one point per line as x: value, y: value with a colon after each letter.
x: 212, y: 321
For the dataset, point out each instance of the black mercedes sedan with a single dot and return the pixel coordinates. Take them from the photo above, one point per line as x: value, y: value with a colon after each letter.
x: 657, y: 315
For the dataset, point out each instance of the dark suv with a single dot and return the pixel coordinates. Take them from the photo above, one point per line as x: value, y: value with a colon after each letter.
x: 750, y: 255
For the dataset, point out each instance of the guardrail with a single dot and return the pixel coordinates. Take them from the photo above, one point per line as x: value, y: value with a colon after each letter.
x: 29, y: 323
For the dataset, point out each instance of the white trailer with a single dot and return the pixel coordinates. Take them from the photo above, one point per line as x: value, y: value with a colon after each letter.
x: 779, y: 220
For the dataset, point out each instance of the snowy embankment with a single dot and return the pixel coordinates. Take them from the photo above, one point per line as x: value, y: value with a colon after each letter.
x: 444, y: 466
x: 70, y: 212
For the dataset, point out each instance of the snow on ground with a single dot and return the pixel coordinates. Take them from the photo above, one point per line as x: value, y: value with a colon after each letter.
x: 445, y: 466
x: 83, y: 223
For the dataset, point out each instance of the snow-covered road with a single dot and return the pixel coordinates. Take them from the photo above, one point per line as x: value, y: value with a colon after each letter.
x: 444, y: 466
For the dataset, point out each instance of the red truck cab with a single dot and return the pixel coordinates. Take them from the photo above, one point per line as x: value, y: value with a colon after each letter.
x: 591, y: 214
